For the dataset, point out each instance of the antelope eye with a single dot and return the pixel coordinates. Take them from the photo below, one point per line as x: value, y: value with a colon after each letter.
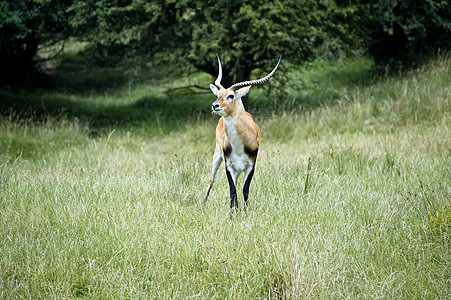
x: 230, y: 97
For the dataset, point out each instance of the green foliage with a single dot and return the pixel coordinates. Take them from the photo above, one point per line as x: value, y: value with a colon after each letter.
x: 406, y: 33
x: 246, y: 35
x: 25, y: 26
x: 249, y: 36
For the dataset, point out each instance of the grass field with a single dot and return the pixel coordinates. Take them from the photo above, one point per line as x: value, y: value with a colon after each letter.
x: 102, y: 179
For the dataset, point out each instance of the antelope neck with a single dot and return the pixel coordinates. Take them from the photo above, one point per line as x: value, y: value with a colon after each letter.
x: 237, y: 129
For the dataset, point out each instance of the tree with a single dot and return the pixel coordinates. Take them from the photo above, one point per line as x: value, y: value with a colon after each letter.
x: 247, y: 35
x: 404, y: 33
x: 26, y: 25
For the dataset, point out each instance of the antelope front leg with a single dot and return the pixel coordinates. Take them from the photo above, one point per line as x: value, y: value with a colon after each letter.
x: 231, y: 177
x: 247, y: 183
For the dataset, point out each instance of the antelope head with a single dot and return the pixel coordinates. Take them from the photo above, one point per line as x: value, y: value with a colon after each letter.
x: 229, y: 99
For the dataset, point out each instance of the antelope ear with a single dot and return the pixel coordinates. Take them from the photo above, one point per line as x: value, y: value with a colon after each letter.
x: 214, y: 89
x: 243, y: 91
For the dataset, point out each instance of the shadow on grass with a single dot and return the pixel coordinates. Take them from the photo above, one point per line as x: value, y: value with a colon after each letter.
x: 68, y: 85
x: 74, y: 79
x: 41, y: 105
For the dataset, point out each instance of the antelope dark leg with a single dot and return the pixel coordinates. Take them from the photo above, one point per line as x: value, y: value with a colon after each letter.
x: 247, y: 183
x: 233, y: 198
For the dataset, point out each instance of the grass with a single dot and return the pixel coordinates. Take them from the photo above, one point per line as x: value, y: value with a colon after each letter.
x: 101, y: 192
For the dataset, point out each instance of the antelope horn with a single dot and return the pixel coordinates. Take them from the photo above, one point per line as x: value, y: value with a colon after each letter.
x: 257, y: 81
x: 218, y: 80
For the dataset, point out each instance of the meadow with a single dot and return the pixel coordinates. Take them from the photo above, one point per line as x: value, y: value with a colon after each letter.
x: 102, y: 178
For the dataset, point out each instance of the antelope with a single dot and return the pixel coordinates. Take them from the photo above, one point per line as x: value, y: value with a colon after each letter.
x: 237, y: 135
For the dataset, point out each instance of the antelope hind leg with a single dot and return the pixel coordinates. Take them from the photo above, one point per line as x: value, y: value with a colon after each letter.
x: 217, y: 160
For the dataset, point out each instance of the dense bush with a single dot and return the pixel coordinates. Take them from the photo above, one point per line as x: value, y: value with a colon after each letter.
x: 26, y: 25
x: 248, y: 35
x: 404, y: 33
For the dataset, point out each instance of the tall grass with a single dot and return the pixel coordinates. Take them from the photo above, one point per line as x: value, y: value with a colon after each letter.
x: 95, y: 204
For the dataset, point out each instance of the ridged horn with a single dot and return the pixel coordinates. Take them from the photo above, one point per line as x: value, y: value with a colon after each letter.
x: 218, y: 80
x: 257, y: 81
